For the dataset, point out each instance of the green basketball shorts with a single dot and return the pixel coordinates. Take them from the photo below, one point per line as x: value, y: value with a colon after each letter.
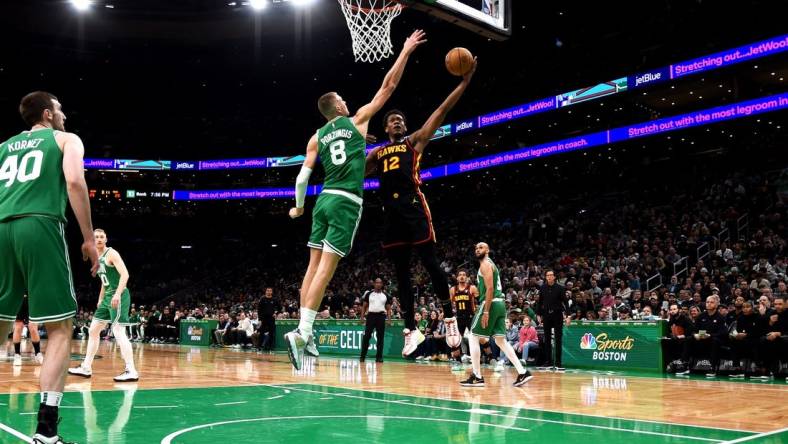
x: 105, y: 312
x: 496, y: 325
x: 335, y: 220
x: 34, y: 259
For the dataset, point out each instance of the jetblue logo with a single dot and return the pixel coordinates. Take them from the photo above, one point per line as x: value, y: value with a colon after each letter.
x: 648, y: 78
x: 464, y: 126
x: 184, y: 166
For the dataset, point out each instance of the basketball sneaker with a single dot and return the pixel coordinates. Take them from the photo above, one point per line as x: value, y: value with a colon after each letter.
x: 472, y: 381
x: 523, y: 378
x: 39, y: 359
x: 295, y: 348
x: 127, y: 376
x: 41, y: 439
x: 311, y: 348
x: 465, y: 359
x: 17, y: 360
x: 499, y: 366
x: 412, y: 340
x: 81, y: 371
x: 453, y: 335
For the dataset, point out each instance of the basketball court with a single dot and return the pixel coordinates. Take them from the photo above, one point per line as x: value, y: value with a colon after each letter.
x: 199, y: 395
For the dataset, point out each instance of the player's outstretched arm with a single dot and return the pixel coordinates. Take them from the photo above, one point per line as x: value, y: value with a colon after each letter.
x: 421, y: 138
x: 390, y: 82
x: 74, y: 173
x: 302, y: 181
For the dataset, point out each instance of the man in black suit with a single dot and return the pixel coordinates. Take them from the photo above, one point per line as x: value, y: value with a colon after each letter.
x: 551, y: 309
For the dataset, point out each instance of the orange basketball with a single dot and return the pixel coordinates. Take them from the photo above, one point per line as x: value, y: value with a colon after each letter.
x: 459, y: 61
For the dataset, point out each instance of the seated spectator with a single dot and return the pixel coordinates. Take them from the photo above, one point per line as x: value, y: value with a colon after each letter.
x: 221, y: 329
x: 774, y: 343
x: 528, y: 339
x: 710, y: 334
x: 676, y: 343
x: 512, y: 337
x: 745, y: 333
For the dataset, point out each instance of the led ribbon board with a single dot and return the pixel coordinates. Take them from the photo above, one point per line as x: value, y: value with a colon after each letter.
x: 721, y: 59
x: 668, y: 124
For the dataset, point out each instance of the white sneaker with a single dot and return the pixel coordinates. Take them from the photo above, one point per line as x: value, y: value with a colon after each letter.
x: 41, y: 439
x: 17, y: 360
x: 465, y: 359
x: 311, y: 347
x: 39, y: 358
x: 127, y: 376
x: 499, y: 366
x: 295, y: 348
x: 453, y: 335
x: 412, y: 340
x: 81, y: 371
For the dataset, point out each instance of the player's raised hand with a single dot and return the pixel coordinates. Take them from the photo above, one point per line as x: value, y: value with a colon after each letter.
x: 370, y: 138
x: 89, y: 253
x: 469, y: 75
x: 415, y: 39
x: 296, y: 212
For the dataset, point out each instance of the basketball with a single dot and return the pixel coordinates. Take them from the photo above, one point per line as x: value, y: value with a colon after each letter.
x: 459, y: 61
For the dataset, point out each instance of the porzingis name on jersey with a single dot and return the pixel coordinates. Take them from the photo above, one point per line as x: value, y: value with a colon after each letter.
x: 392, y: 149
x: 343, y: 133
x: 20, y: 145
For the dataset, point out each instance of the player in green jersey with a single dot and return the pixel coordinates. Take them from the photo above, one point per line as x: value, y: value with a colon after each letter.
x: 112, y: 309
x: 40, y: 169
x: 490, y: 321
x: 340, y: 144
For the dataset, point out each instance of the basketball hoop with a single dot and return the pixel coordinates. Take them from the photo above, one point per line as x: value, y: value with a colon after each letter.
x: 369, y: 22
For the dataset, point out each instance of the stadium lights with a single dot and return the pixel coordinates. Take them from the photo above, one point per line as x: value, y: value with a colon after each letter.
x: 302, y: 2
x: 258, y: 5
x: 81, y: 5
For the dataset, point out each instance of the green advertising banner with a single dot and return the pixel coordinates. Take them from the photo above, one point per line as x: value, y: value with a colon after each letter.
x: 343, y: 337
x: 194, y: 332
x: 633, y: 345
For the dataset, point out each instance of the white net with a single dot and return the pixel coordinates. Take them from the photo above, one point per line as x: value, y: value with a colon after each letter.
x: 369, y: 22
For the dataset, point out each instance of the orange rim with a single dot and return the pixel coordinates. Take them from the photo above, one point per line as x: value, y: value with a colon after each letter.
x: 397, y: 5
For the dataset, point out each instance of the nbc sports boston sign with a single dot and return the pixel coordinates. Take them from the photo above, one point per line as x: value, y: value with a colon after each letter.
x: 606, y: 349
x: 614, y: 345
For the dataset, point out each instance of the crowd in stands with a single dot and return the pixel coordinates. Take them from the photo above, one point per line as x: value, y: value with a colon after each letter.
x: 664, y: 254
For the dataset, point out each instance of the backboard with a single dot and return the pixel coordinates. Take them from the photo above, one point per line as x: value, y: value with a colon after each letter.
x: 490, y: 18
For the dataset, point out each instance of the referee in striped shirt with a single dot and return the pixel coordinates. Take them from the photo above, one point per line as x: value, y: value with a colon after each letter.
x: 377, y: 305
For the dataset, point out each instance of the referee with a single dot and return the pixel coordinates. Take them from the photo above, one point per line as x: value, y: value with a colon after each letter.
x: 552, y: 309
x: 377, y: 305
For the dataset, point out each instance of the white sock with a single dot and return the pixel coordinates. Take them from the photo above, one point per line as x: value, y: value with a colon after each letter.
x: 476, y: 355
x: 307, y: 319
x: 93, y: 345
x: 125, y: 346
x: 51, y: 399
x: 504, y: 345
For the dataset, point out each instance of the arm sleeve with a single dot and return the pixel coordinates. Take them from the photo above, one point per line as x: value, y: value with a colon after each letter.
x: 301, y: 183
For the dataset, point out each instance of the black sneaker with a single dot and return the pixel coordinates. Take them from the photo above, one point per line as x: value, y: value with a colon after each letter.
x: 472, y: 381
x: 523, y: 378
x: 362, y: 359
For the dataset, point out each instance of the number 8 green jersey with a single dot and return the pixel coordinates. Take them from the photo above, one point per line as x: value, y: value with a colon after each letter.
x: 31, y: 176
x: 342, y: 152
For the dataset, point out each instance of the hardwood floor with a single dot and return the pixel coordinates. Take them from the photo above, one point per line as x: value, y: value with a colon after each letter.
x: 747, y: 406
